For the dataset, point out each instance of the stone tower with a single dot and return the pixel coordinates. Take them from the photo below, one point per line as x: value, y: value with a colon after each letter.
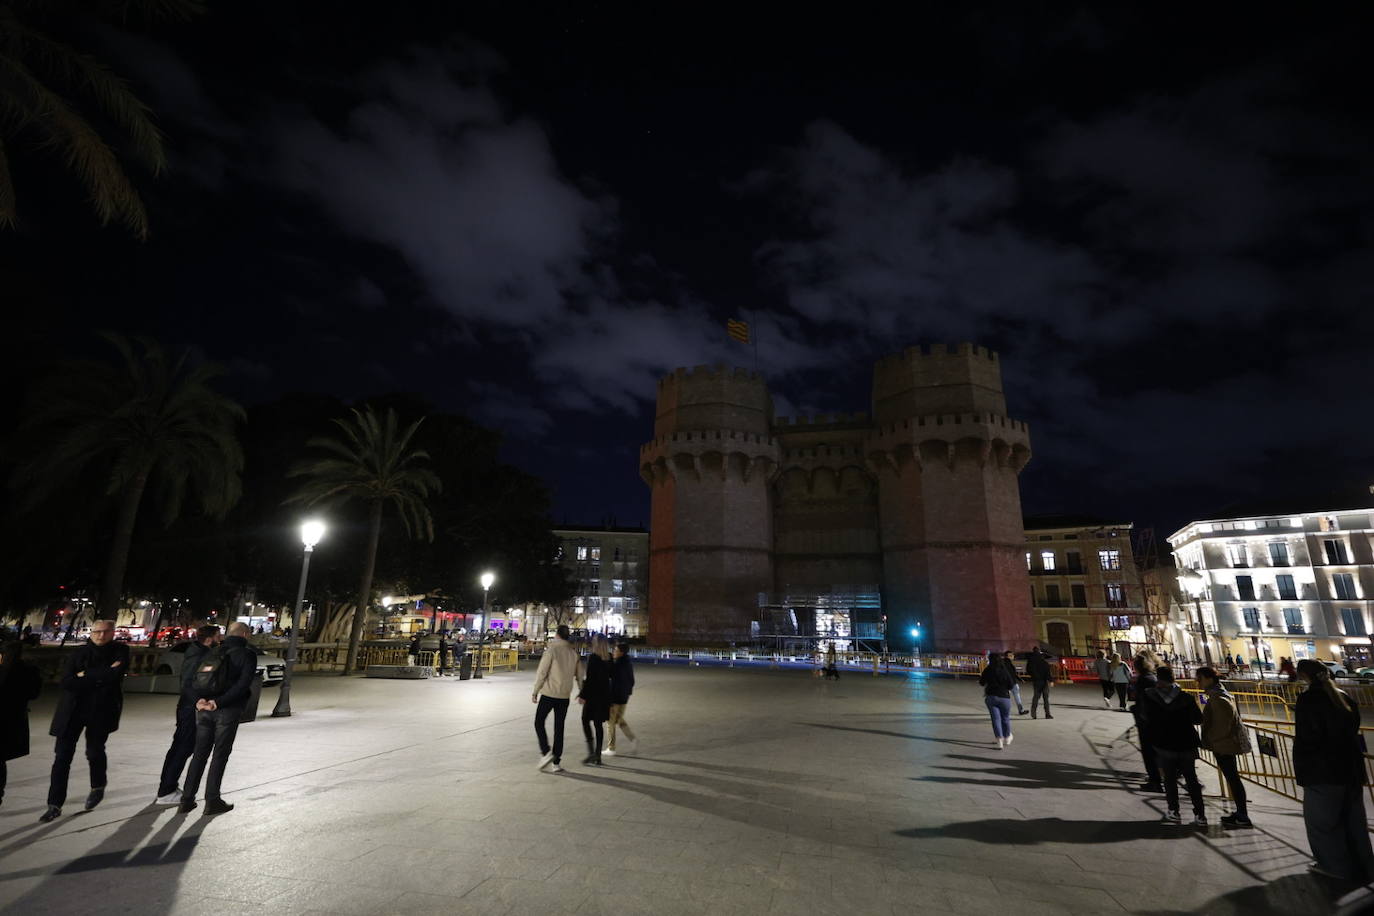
x: 709, y: 468
x: 919, y: 502
x: 947, y: 458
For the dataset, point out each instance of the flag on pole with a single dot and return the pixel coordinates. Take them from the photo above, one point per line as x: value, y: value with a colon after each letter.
x: 739, y: 330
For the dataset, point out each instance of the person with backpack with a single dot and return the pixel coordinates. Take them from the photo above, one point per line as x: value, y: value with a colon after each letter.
x: 1225, y: 735
x: 1328, y: 762
x: 20, y: 684
x: 1038, y: 669
x: 184, y: 738
x: 220, y: 690
x: 1171, y: 718
x: 91, y: 702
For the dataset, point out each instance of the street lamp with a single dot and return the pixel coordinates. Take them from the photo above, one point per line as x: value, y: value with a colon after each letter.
x: 1194, y: 584
x: 915, y: 642
x: 311, y: 533
x: 487, y: 579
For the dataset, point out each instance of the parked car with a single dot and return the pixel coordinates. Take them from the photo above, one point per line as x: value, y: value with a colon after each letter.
x: 270, y: 667
x: 1336, y: 668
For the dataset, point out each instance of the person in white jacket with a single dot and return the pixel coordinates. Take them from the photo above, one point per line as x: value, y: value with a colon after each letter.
x: 553, y: 688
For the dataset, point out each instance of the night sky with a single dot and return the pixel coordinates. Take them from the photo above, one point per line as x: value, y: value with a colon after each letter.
x: 1162, y: 222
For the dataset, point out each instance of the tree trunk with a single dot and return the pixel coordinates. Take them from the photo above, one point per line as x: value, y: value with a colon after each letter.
x: 374, y: 534
x: 118, y: 562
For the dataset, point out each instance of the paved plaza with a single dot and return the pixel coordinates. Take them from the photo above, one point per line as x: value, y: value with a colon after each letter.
x: 755, y: 791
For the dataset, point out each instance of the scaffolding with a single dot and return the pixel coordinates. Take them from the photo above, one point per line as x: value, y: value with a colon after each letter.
x: 848, y: 617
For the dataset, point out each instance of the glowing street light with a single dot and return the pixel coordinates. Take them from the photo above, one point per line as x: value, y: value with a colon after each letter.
x: 487, y: 579
x: 1192, y: 582
x: 312, y: 532
x: 916, y: 640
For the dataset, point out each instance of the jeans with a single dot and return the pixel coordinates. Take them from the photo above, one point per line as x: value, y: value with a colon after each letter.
x: 183, y: 746
x: 559, y: 708
x: 587, y: 725
x: 617, y: 719
x: 1336, y: 831
x: 1107, y: 689
x: 1016, y: 695
x: 1227, y: 764
x: 1150, y: 761
x: 1176, y: 764
x: 1000, y: 710
x: 1042, y: 693
x: 65, y: 750
x: 215, y: 731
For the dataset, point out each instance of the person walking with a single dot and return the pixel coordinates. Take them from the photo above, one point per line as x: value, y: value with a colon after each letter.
x: 1038, y: 669
x: 1145, y: 666
x: 1104, y: 677
x: 221, y: 687
x: 1328, y: 762
x: 413, y: 651
x: 20, y: 684
x: 1171, y: 718
x: 1287, y: 670
x: 1121, y: 680
x: 1010, y: 660
x: 622, y: 685
x: 997, y: 686
x: 184, y: 738
x: 443, y: 652
x: 553, y: 687
x: 1225, y: 735
x: 595, y: 698
x: 91, y: 701
x: 831, y: 670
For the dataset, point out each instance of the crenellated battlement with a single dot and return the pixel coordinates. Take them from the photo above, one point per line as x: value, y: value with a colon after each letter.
x: 714, y: 373
x: 952, y: 420
x: 708, y: 437
x: 713, y: 397
x: 935, y: 379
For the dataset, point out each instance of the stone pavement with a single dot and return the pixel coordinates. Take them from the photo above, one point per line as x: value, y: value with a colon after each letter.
x: 755, y: 792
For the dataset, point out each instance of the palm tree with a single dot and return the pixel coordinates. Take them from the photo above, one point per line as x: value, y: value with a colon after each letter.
x: 372, y: 461
x: 150, y: 421
x: 45, y: 83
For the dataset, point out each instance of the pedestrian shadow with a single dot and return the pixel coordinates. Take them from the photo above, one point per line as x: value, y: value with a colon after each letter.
x: 769, y: 776
x: 1292, y: 895
x: 1034, y: 831
x: 892, y: 734
x: 1017, y: 773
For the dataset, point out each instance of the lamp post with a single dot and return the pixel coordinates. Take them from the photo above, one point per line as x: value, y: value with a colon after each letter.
x: 311, y: 533
x: 487, y: 580
x: 915, y: 643
x: 1193, y: 583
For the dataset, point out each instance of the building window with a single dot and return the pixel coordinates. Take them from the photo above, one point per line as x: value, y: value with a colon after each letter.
x: 631, y: 604
x: 582, y: 553
x: 594, y: 605
x: 1245, y: 588
x: 1113, y: 593
x: 617, y: 554
x: 1286, y: 587
x: 617, y: 586
x: 1074, y: 559
x: 1080, y: 595
x: 1028, y: 559
x: 1344, y: 583
x: 593, y: 586
x: 1292, y: 620
x: 1335, y: 552
x: 596, y: 554
x: 1352, y: 621
x: 1252, y: 618
x: 1047, y: 560
x: 1237, y: 554
x: 1118, y: 623
x: 1109, y: 558
x: 1052, y: 596
x: 1278, y: 554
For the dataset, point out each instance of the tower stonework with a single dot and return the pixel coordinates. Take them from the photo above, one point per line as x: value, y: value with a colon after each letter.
x: 920, y: 501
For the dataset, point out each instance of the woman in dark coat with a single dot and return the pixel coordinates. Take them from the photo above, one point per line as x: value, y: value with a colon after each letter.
x: 596, y: 698
x: 20, y: 685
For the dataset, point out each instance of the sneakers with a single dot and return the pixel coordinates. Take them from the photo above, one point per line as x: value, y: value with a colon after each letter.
x: 217, y: 806
x: 1171, y: 817
x: 1001, y: 743
x: 1009, y: 740
x: 171, y: 798
x: 609, y: 752
x: 95, y: 798
x: 1236, y: 820
x: 52, y: 814
x: 554, y: 768
x: 1152, y: 787
x: 545, y: 760
x: 1198, y: 821
x: 1107, y: 702
x: 1022, y: 712
x: 1048, y: 716
x: 186, y: 807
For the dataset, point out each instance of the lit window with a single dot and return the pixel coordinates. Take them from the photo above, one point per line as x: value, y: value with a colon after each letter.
x: 617, y: 586
x: 1118, y: 623
x: 1238, y: 555
x: 1252, y: 618
x: 1047, y: 560
x: 1109, y: 558
x: 1278, y: 554
x: 1028, y: 559
x: 1292, y: 620
x: 582, y: 553
x: 596, y: 554
x: 1114, y: 594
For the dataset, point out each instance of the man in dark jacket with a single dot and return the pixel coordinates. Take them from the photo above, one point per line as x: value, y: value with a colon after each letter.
x: 217, y: 717
x: 92, y: 700
x: 1170, y: 719
x: 20, y: 684
x: 622, y: 685
x: 184, y: 738
x: 1038, y: 670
